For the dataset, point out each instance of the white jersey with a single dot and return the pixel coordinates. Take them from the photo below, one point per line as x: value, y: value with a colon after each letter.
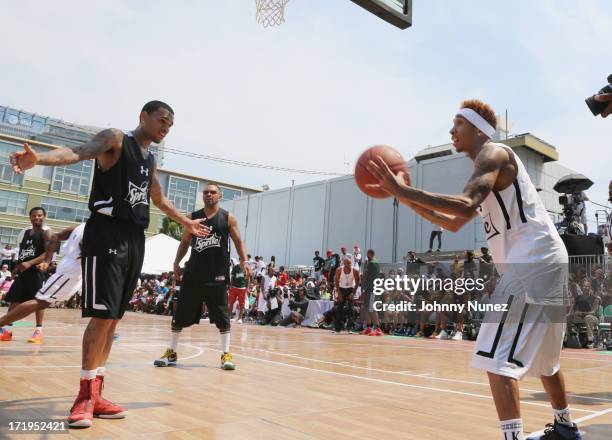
x: 347, y: 280
x: 523, y: 240
x: 70, y: 252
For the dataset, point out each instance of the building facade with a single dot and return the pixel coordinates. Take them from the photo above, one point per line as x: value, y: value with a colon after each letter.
x: 292, y: 223
x: 64, y: 191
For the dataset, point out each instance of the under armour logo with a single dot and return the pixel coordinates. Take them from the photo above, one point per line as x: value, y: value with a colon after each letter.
x: 28, y: 242
x: 144, y: 171
x: 112, y: 251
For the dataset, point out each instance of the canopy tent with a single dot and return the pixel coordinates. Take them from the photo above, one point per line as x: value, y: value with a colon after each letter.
x: 160, y: 251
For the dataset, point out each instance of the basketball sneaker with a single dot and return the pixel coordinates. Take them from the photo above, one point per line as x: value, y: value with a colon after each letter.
x: 442, y: 335
x: 367, y: 331
x: 37, y: 337
x: 81, y: 413
x: 377, y: 332
x: 559, y: 431
x: 227, y: 362
x: 419, y: 334
x: 6, y: 336
x: 458, y: 336
x: 239, y: 321
x: 434, y: 335
x: 168, y: 358
x: 103, y: 408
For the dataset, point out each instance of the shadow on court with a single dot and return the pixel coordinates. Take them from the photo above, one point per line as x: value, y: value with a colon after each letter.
x: 594, y: 399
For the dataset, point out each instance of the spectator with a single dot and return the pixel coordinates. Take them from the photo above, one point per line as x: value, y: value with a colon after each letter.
x: 344, y: 255
x: 298, y: 309
x: 268, y: 283
x: 435, y: 232
x: 369, y: 317
x: 346, y: 282
x: 356, y: 257
x: 599, y: 282
x: 585, y: 310
x: 261, y: 266
x: 485, y: 264
x: 318, y: 262
x: 469, y: 265
x: 282, y: 277
x: 9, y: 256
x: 331, y: 264
x: 413, y: 263
x: 456, y: 268
x: 272, y: 263
x: 5, y: 272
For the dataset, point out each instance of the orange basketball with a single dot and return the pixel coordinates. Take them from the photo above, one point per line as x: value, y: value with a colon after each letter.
x: 393, y: 159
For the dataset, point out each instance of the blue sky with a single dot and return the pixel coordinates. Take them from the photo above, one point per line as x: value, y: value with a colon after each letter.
x: 317, y: 90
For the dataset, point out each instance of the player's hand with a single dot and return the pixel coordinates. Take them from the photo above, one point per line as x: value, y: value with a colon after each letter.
x: 177, y: 273
x: 387, y: 180
x: 196, y: 228
x: 605, y: 97
x: 42, y: 266
x: 23, y: 160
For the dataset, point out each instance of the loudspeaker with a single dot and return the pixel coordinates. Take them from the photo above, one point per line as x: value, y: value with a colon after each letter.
x: 583, y: 244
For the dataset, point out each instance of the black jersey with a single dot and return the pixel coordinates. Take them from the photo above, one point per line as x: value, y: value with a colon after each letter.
x: 31, y: 245
x: 210, y: 256
x: 123, y: 192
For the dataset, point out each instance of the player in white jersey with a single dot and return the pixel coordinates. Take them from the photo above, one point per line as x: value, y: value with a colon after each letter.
x: 526, y: 248
x: 63, y: 284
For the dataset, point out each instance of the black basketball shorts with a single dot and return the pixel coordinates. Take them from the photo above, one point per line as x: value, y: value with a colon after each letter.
x: 194, y: 294
x: 25, y: 286
x: 112, y: 257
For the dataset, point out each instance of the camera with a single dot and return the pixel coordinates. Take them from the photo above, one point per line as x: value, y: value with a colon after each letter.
x: 597, y: 107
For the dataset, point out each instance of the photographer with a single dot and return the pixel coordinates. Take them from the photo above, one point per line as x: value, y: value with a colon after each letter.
x: 274, y: 300
x: 298, y: 309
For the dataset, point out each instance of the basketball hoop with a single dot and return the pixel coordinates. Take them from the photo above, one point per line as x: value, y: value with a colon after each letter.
x: 270, y: 12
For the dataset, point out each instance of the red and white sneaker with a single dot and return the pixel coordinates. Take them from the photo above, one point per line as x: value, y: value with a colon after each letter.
x: 377, y: 332
x: 367, y: 331
x: 6, y: 336
x: 103, y: 408
x: 81, y: 413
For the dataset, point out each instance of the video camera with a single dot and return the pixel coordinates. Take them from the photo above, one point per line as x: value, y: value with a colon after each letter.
x: 597, y: 107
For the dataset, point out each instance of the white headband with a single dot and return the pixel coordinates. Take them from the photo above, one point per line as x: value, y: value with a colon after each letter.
x: 477, y: 121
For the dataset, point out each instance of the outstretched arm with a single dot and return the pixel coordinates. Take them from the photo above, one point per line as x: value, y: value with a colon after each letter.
x: 486, y: 170
x: 107, y: 142
x: 194, y: 227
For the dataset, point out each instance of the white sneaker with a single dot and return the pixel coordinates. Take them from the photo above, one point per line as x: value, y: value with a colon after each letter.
x: 442, y: 335
x: 239, y: 321
x: 458, y: 336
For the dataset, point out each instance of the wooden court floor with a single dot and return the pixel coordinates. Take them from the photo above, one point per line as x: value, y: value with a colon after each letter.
x: 289, y: 384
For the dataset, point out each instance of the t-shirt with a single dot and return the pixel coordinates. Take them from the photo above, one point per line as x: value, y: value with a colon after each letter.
x: 7, y: 254
x: 282, y: 279
x: 371, y: 272
x: 318, y: 263
x: 584, y: 303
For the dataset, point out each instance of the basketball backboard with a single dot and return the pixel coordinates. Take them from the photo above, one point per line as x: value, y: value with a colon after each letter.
x: 396, y: 12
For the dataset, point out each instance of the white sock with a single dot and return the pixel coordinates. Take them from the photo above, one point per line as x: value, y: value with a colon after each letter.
x: 101, y: 371
x: 89, y: 374
x: 7, y: 328
x: 225, y: 341
x: 563, y: 416
x: 39, y: 327
x: 175, y: 338
x: 512, y: 429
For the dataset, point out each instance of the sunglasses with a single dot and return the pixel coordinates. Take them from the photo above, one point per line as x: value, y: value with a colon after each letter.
x: 210, y: 192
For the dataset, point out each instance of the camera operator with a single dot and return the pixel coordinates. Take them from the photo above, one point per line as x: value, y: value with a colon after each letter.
x: 298, y: 309
x: 274, y: 302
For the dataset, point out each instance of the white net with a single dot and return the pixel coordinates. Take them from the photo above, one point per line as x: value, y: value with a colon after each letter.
x: 270, y: 12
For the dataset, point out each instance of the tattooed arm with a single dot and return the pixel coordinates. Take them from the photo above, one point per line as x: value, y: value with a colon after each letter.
x: 104, y: 146
x: 449, y: 211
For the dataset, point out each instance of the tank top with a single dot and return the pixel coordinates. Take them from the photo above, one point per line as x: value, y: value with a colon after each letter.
x: 347, y: 280
x: 123, y: 191
x: 522, y: 239
x: 31, y: 244
x: 210, y: 256
x: 70, y: 252
x: 239, y: 280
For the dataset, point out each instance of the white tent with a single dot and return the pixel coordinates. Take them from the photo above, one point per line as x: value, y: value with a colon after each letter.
x: 160, y: 251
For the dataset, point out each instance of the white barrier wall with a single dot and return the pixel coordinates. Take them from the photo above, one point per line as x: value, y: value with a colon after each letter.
x: 291, y: 223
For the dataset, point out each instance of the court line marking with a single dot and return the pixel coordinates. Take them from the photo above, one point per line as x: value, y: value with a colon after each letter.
x: 389, y: 382
x: 199, y: 349
x: 409, y: 373
x: 581, y: 419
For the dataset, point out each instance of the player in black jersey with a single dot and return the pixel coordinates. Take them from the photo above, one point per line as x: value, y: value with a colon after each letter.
x: 124, y: 182
x: 206, y: 275
x: 31, y: 266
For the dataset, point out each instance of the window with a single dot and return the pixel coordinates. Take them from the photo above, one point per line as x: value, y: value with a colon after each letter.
x: 9, y: 235
x: 6, y: 171
x: 2, y: 112
x: 12, y: 116
x: 73, y: 179
x: 38, y: 123
x: 229, y: 193
x: 182, y: 192
x: 13, y: 202
x: 25, y: 119
x: 65, y: 209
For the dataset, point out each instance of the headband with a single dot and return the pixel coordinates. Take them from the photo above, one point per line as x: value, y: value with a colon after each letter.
x: 477, y: 121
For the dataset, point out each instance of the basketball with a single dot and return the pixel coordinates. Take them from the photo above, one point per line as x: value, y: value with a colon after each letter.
x: 393, y: 159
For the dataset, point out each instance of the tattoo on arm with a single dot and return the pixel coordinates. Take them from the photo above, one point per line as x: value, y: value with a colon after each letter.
x: 101, y: 143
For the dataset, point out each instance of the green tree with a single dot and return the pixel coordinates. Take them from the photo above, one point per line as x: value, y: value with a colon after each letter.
x: 172, y: 228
